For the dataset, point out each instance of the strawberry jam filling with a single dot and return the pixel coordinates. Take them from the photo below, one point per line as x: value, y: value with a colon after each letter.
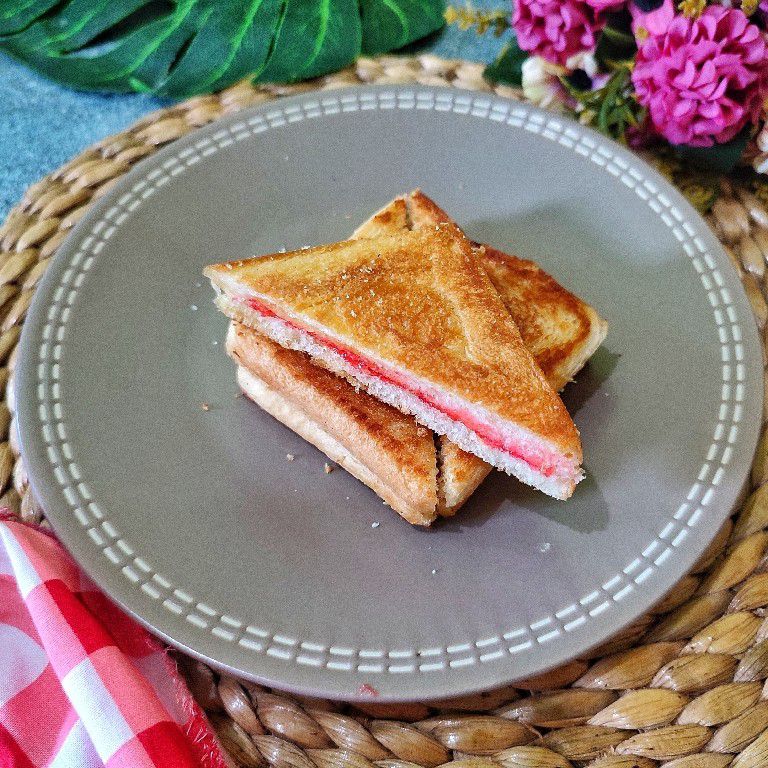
x: 546, y: 465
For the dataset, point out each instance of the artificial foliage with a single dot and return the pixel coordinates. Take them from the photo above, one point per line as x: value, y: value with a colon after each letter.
x: 182, y: 47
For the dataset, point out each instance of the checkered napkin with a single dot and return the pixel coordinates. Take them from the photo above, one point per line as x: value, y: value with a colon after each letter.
x: 81, y: 684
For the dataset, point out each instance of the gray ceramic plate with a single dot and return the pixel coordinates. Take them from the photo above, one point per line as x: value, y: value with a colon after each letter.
x: 196, y: 523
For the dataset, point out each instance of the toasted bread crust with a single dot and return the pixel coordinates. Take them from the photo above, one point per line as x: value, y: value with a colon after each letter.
x: 561, y: 331
x: 390, y: 219
x: 421, y: 302
x: 286, y: 412
x: 391, y: 445
x: 459, y: 475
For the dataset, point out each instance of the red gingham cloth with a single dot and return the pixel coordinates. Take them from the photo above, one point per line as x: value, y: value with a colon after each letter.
x: 81, y: 684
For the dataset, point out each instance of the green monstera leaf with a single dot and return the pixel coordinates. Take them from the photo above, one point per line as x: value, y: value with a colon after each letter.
x: 182, y: 47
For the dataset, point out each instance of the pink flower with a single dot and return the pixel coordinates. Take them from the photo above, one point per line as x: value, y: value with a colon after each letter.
x: 654, y: 22
x: 703, y: 79
x: 605, y: 6
x: 556, y: 29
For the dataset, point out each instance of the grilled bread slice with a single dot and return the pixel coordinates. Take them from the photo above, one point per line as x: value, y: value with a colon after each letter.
x: 414, y: 319
x: 379, y: 445
x: 560, y: 330
x: 362, y: 434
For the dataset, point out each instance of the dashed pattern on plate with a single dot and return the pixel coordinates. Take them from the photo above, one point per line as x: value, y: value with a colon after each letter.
x: 231, y: 629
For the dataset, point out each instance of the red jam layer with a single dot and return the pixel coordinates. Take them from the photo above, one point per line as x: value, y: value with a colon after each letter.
x: 486, y: 432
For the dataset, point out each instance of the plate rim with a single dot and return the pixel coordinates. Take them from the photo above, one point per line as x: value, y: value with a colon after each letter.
x: 49, y: 494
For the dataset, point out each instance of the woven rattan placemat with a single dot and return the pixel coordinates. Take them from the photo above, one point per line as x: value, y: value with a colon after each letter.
x: 684, y: 686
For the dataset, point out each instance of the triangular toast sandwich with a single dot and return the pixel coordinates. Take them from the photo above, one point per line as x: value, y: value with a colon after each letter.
x: 414, y: 319
x: 383, y: 448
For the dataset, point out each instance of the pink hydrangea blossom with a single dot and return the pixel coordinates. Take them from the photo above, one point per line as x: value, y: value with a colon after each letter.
x: 703, y: 79
x: 556, y: 29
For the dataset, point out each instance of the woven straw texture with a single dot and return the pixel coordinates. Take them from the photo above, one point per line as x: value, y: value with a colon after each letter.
x: 685, y: 686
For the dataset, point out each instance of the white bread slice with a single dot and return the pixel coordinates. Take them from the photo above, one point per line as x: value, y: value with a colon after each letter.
x: 380, y: 446
x: 558, y: 485
x: 293, y: 418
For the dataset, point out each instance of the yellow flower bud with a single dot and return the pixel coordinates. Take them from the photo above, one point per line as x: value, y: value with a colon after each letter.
x: 693, y: 8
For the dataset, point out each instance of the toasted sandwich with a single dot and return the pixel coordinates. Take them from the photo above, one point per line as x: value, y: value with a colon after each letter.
x: 414, y: 319
x: 405, y: 464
